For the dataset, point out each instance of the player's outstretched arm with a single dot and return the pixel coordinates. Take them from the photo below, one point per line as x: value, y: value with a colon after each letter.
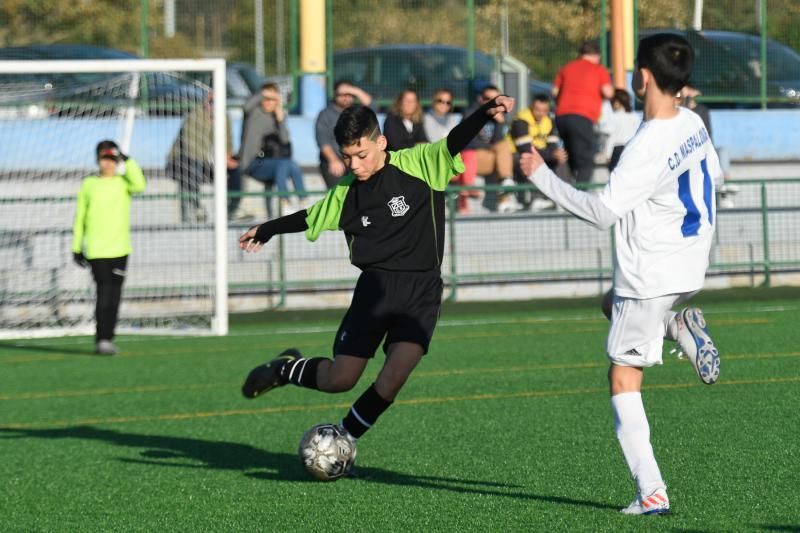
x: 460, y: 136
x: 584, y: 205
x: 256, y: 237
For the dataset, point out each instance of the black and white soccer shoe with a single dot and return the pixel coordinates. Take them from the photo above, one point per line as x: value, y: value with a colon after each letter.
x: 266, y: 377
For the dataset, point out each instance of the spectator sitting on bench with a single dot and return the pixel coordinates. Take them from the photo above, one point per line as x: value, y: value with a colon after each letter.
x: 266, y: 153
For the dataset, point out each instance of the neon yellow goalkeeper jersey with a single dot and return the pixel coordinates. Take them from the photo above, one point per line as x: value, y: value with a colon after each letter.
x: 102, y: 226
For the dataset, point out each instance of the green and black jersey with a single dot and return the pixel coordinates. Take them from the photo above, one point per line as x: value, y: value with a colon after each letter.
x: 394, y: 220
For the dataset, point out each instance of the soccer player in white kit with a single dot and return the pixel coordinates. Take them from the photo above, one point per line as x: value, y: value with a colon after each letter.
x: 660, y: 200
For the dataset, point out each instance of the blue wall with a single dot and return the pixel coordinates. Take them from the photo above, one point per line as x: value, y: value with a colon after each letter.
x: 772, y: 135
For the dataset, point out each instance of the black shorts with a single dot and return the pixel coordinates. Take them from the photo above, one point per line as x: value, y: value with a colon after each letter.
x: 401, y: 306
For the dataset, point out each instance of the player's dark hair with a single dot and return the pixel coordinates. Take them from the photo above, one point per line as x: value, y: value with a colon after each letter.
x: 669, y: 57
x: 105, y: 145
x: 356, y: 122
x: 270, y: 86
x: 541, y: 97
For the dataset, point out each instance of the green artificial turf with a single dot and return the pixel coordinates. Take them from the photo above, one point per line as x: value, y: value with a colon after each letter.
x: 505, y: 426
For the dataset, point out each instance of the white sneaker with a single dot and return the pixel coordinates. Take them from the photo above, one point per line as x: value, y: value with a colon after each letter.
x: 541, y: 204
x: 696, y: 344
x: 508, y: 204
x: 657, y: 502
x: 106, y: 347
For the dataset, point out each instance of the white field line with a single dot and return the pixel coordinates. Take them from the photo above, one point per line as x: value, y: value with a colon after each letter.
x: 445, y: 323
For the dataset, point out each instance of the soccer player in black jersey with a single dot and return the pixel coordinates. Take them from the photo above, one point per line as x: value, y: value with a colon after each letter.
x: 390, y: 206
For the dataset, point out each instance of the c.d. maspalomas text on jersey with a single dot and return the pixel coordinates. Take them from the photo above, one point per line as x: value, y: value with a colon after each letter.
x: 687, y: 147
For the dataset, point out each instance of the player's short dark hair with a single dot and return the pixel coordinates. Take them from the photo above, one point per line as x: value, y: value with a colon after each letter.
x: 669, y: 57
x: 270, y: 86
x: 541, y: 97
x: 356, y: 122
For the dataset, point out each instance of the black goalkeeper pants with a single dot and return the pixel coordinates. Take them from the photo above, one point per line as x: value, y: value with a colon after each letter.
x: 109, y: 274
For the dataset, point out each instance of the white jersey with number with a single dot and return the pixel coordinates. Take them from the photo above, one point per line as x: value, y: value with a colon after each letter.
x: 663, y: 193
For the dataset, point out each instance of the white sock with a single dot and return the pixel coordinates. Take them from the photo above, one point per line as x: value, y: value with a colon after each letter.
x: 633, y: 433
x: 670, y: 326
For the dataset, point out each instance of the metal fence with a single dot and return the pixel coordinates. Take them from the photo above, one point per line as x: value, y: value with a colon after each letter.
x: 755, y: 241
x: 522, y: 255
x: 736, y: 67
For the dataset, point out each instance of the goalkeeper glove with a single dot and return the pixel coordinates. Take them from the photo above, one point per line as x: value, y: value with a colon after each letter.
x: 263, y: 234
x: 80, y: 260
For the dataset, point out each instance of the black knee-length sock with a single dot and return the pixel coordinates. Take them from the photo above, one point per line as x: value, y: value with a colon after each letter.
x: 365, y: 412
x: 302, y: 372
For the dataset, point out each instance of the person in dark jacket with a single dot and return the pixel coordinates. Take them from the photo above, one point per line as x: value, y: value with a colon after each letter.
x: 403, y: 127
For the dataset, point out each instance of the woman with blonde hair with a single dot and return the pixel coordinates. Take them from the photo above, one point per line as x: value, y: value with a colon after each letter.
x: 403, y: 127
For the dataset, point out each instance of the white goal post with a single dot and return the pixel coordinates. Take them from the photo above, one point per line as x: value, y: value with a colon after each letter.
x: 52, y: 114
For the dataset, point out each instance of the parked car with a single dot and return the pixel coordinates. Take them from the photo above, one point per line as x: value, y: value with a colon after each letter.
x: 783, y: 63
x: 161, y: 93
x: 727, y: 67
x: 539, y: 87
x: 383, y: 71
x: 717, y: 73
x: 247, y: 74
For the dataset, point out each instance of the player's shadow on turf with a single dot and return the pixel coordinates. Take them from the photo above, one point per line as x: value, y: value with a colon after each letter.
x: 460, y: 485
x: 185, y: 452
x: 46, y: 349
x: 179, y: 452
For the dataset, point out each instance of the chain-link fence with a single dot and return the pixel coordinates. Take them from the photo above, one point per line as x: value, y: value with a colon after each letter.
x: 735, y: 66
x: 533, y: 254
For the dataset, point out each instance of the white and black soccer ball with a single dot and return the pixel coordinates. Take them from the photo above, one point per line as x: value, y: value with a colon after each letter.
x: 327, y: 451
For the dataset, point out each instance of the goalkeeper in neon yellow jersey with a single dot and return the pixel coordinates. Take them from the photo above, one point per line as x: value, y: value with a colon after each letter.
x: 101, y: 236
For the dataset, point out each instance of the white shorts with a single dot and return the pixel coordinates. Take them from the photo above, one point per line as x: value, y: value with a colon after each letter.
x: 636, y: 336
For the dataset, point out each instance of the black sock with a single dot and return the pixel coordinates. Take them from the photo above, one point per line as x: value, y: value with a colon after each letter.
x: 365, y: 412
x: 302, y: 372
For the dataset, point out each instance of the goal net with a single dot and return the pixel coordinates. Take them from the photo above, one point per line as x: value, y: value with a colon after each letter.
x: 169, y: 116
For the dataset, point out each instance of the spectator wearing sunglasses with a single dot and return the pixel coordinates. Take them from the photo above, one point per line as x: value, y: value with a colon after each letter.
x: 439, y: 119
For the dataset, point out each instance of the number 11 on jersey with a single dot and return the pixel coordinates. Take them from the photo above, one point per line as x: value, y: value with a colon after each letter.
x: 691, y: 221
